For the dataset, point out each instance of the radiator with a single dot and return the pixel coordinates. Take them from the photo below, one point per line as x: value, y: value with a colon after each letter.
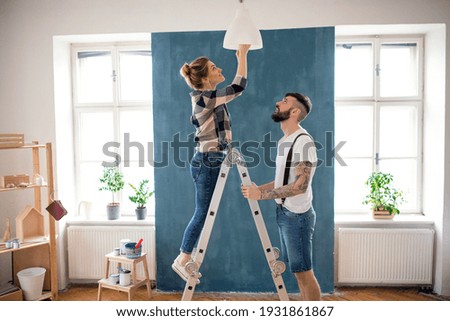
x: 87, y: 246
x: 385, y: 256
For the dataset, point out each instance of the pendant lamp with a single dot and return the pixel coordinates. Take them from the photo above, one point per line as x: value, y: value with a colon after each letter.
x: 242, y: 31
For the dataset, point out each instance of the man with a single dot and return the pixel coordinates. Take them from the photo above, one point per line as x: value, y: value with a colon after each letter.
x: 292, y: 191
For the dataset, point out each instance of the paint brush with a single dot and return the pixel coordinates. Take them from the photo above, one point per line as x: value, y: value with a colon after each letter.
x: 139, y: 243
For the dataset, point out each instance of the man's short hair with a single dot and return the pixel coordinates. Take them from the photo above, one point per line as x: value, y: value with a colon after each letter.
x: 302, y: 99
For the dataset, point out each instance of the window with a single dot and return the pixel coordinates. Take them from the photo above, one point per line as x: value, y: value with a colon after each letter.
x: 112, y: 90
x: 378, y: 108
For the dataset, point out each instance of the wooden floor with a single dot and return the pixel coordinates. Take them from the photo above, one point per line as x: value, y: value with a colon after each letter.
x: 89, y: 293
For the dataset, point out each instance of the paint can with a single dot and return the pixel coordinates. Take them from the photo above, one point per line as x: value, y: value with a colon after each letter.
x: 114, y: 278
x: 124, y: 277
x: 131, y: 252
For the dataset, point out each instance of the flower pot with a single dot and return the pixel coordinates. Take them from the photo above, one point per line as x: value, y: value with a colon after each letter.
x: 377, y: 214
x: 141, y: 213
x: 113, y: 211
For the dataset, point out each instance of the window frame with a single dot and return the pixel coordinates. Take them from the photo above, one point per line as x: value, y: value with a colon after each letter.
x: 115, y: 107
x: 377, y: 101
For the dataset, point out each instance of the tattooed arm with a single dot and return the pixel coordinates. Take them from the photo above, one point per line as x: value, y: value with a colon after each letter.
x: 299, y: 186
x: 253, y: 192
x: 267, y: 191
x: 267, y: 186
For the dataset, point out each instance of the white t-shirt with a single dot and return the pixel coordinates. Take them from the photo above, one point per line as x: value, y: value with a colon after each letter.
x: 304, y: 150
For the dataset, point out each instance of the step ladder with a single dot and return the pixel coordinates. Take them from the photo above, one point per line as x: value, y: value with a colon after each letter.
x: 272, y: 254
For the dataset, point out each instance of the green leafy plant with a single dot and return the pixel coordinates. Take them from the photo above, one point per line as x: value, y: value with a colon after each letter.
x: 141, y: 193
x: 383, y: 196
x: 112, y: 181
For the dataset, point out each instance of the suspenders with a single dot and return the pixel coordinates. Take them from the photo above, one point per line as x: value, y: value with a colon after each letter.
x: 289, y: 163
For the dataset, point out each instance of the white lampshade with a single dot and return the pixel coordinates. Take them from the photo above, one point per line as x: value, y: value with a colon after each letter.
x: 242, y: 31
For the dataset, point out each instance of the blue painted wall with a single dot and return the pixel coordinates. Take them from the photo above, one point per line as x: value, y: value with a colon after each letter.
x: 299, y: 60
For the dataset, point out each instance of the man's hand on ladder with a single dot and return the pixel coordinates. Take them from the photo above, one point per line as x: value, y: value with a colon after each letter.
x: 251, y: 191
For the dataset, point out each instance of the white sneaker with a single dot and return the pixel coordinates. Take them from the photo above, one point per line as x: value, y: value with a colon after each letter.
x: 181, y: 271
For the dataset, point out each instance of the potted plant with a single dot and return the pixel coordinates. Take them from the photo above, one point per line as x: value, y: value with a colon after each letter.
x: 141, y: 195
x: 383, y: 197
x: 112, y: 181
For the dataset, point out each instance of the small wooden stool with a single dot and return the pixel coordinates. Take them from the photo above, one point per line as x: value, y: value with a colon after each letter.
x: 130, y: 289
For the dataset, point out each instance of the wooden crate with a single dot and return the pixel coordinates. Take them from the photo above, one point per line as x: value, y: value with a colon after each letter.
x: 30, y: 257
x: 11, y: 140
x: 382, y: 215
x: 12, y: 296
x: 14, y: 180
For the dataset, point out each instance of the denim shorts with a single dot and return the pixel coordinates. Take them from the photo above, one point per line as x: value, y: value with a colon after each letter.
x: 296, y: 233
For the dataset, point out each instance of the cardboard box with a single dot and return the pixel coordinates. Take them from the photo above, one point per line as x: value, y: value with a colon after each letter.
x: 12, y: 296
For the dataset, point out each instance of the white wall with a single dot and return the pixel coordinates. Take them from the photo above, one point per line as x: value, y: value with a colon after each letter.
x: 27, y: 28
x: 433, y: 151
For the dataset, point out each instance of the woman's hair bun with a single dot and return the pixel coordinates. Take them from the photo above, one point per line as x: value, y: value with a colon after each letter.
x: 185, y: 70
x: 194, y: 72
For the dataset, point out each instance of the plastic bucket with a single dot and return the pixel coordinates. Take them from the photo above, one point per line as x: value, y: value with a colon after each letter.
x: 32, y: 282
x: 131, y: 252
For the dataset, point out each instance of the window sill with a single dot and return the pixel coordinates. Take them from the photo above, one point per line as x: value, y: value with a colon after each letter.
x: 402, y: 220
x: 123, y: 221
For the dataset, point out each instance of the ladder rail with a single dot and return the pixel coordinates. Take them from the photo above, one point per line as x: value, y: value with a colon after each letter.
x: 276, y: 267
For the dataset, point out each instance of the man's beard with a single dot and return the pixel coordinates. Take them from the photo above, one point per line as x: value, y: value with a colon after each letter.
x: 280, y: 116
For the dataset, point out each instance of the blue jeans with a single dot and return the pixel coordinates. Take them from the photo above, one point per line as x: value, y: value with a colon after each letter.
x: 205, y: 169
x: 296, y: 233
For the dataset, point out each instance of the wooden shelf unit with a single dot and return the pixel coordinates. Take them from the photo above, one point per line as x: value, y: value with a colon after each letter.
x: 21, y: 188
x: 23, y: 246
x: 39, y: 249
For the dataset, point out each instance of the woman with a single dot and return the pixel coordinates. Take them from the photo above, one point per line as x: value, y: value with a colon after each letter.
x: 213, y: 135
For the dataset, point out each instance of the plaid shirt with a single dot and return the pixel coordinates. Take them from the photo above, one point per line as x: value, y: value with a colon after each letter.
x: 210, y: 115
